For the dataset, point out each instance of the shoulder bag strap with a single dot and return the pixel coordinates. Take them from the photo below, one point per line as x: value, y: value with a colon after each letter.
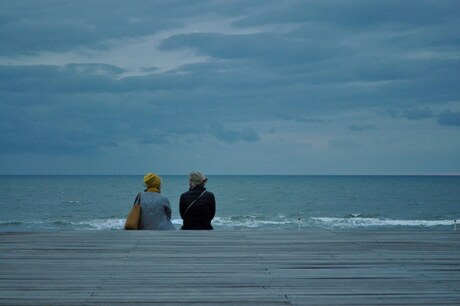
x: 137, y: 201
x: 191, y: 204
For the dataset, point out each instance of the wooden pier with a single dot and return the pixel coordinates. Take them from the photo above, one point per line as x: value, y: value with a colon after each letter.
x: 305, y: 267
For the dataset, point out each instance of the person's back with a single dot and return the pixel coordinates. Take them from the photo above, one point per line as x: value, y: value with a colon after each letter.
x: 197, y: 206
x: 155, y: 208
x: 201, y: 213
x: 155, y: 212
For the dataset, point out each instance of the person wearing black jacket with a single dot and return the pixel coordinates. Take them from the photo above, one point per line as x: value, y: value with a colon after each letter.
x: 197, y: 206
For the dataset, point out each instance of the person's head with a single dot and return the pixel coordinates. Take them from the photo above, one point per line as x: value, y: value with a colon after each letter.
x: 152, y: 182
x: 197, y: 179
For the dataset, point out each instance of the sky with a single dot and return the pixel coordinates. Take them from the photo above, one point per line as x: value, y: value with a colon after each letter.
x: 111, y: 87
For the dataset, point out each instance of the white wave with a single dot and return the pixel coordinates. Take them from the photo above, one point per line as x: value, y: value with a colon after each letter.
x: 255, y: 222
x: 5, y: 223
x: 370, y: 222
x: 106, y: 224
x: 248, y: 222
x: 102, y: 224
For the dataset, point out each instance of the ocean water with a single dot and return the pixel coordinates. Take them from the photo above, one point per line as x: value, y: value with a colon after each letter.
x: 49, y: 203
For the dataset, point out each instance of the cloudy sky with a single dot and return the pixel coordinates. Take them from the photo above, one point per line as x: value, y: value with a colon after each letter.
x: 230, y: 87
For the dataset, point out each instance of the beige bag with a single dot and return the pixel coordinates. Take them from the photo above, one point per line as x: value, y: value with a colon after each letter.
x: 134, y: 216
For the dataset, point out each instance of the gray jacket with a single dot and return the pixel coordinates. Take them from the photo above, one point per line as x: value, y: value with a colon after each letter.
x: 155, y: 212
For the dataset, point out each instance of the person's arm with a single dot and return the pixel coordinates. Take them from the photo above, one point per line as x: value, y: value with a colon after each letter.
x: 167, y: 207
x: 213, y: 207
x: 182, y: 207
x: 140, y: 215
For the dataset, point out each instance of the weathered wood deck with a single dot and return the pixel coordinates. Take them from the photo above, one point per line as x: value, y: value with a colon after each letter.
x: 230, y: 268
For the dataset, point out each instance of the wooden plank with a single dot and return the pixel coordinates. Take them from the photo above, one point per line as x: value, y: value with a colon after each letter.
x: 232, y: 267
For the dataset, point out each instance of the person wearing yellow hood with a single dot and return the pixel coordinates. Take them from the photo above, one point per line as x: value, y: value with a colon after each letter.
x: 155, y: 208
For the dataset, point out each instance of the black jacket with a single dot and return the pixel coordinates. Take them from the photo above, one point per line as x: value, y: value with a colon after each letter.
x: 200, y: 215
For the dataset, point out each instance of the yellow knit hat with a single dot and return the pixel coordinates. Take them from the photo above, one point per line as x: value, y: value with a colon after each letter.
x: 152, y: 180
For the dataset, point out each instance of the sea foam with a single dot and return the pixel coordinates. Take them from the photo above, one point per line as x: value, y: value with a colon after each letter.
x: 329, y: 222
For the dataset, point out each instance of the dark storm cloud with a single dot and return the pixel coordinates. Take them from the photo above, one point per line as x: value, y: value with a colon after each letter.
x: 33, y: 26
x: 276, y: 49
x: 83, y: 108
x: 68, y: 84
x: 356, y: 13
x: 416, y: 114
x: 64, y: 25
x: 349, y: 67
x: 449, y: 117
x: 40, y: 131
x: 446, y: 117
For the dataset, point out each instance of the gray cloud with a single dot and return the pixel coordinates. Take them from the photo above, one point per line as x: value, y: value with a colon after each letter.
x: 298, y: 118
x: 52, y: 79
x: 31, y: 27
x: 355, y: 14
x: 66, y: 25
x: 362, y: 128
x: 446, y: 118
x: 342, y: 144
x: 267, y: 65
x: 232, y: 136
x: 416, y: 114
x: 47, y: 134
x: 449, y: 117
x: 277, y: 49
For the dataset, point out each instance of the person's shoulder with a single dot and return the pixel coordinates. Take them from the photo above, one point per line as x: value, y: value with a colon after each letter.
x: 155, y: 195
x: 186, y: 193
x: 162, y: 197
x: 209, y: 195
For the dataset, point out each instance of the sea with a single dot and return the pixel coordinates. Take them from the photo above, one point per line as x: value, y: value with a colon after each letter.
x: 244, y: 202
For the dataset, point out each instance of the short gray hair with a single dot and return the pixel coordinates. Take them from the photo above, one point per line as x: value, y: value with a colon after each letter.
x: 197, y: 178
